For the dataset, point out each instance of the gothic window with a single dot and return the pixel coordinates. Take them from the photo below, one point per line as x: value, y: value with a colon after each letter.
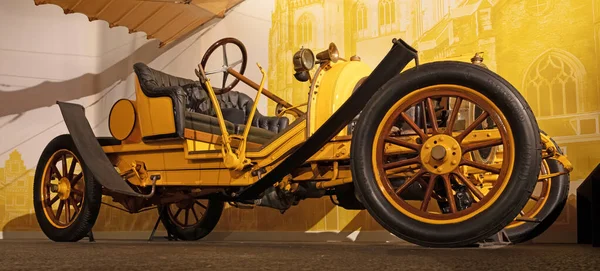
x: 387, y: 15
x: 552, y: 84
x: 537, y: 7
x: 305, y: 30
x: 485, y: 19
x: 361, y: 19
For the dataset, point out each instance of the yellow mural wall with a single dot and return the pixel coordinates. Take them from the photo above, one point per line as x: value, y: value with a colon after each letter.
x: 548, y: 49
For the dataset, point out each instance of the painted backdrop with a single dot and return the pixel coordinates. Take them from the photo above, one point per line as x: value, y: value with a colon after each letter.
x: 548, y: 49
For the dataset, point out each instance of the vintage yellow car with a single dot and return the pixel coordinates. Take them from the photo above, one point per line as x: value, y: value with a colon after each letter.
x: 444, y: 154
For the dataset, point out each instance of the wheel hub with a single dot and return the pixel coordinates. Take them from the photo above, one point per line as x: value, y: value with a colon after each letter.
x: 441, y: 154
x: 64, y: 188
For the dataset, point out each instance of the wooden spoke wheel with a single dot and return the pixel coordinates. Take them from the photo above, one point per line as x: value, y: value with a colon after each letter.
x: 441, y: 158
x: 191, y: 219
x: 66, y: 198
x: 404, y: 144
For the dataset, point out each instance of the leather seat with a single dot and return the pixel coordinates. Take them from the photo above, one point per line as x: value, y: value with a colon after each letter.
x: 199, y: 113
x: 209, y: 124
x: 199, y: 102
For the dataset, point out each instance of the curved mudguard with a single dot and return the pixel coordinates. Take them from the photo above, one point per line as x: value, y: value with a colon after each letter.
x: 392, y: 64
x: 90, y: 150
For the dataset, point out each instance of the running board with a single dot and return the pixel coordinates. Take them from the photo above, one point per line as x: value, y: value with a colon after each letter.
x: 91, y: 152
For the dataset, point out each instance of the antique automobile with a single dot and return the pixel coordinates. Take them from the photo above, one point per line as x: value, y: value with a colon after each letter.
x: 444, y: 154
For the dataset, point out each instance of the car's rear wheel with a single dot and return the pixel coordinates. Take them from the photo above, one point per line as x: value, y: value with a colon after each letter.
x: 545, y: 204
x: 191, y: 219
x: 392, y: 152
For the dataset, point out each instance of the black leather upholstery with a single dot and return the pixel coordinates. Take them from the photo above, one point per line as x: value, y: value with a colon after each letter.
x: 158, y: 84
x: 193, y: 108
x: 199, y: 102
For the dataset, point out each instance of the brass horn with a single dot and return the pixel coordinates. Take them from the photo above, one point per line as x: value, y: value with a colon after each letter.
x: 331, y: 54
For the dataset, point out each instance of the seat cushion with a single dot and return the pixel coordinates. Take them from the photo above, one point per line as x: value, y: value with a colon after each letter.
x: 209, y: 124
x: 257, y: 135
x: 206, y: 123
x: 234, y: 115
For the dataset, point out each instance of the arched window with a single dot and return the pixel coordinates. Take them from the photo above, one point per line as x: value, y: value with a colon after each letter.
x: 387, y: 12
x: 305, y: 30
x: 361, y: 19
x: 387, y: 15
x: 537, y: 7
x: 552, y: 84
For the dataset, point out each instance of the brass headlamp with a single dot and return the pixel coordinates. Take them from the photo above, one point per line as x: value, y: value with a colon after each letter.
x: 304, y: 61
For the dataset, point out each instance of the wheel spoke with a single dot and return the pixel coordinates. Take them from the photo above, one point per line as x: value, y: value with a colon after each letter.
x: 403, y: 143
x: 225, y: 61
x: 202, y: 205
x: 434, y: 195
x: 177, y: 213
x: 225, y: 74
x: 65, y: 171
x: 235, y: 63
x: 453, y: 116
x: 77, y: 199
x: 432, y: 117
x: 473, y: 125
x: 469, y: 184
x: 195, y: 215
x: 428, y: 192
x: 59, y: 210
x: 77, y: 192
x: 214, y: 72
x: 403, y: 170
x: 74, y: 204
x: 480, y: 145
x: 68, y: 210
x: 53, y: 200
x: 56, y: 171
x: 76, y: 178
x: 449, y: 194
x: 414, y: 126
x: 72, y: 168
x: 410, y: 181
x: 485, y: 167
x: 402, y: 163
x: 187, y: 216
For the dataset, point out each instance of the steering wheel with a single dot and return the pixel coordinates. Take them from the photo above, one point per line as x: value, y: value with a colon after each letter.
x: 226, y: 65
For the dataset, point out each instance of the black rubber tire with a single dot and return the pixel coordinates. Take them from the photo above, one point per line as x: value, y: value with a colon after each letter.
x: 207, y: 224
x: 85, y: 221
x: 557, y: 199
x: 510, y: 202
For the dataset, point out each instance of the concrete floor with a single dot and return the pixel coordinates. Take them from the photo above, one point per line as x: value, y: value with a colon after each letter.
x: 161, y: 255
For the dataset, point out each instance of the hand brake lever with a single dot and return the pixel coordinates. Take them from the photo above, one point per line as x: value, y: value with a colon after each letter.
x: 201, y: 74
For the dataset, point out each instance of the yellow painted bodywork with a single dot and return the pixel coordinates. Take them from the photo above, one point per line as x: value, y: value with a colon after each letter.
x: 197, y: 159
x: 332, y: 88
x: 155, y: 115
x: 122, y: 119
